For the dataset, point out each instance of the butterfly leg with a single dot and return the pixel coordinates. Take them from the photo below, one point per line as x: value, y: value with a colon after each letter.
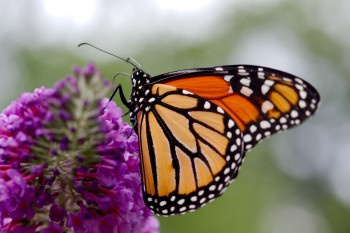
x: 121, y: 94
x: 125, y: 114
x: 134, y: 124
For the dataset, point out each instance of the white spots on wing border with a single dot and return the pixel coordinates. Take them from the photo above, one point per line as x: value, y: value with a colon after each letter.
x: 207, y: 105
x: 264, y: 89
x: 186, y: 92
x: 227, y: 78
x: 246, y: 91
x: 266, y: 106
x: 245, y: 81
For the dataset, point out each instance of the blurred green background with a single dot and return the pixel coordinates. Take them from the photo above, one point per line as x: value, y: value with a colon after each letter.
x: 298, y: 181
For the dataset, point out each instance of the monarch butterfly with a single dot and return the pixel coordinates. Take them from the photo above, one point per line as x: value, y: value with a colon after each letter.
x: 195, y: 125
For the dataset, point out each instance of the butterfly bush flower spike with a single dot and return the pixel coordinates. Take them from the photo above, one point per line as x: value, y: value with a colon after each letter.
x: 67, y: 163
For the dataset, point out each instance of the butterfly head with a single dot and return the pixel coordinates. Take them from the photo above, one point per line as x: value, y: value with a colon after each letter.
x: 140, y: 91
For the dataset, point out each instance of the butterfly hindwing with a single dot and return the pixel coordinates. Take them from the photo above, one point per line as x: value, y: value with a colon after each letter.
x: 190, y: 150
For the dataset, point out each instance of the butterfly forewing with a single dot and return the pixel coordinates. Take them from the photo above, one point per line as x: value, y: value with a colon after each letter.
x: 262, y: 101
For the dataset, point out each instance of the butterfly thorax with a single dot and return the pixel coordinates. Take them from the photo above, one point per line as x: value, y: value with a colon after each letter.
x: 140, y: 91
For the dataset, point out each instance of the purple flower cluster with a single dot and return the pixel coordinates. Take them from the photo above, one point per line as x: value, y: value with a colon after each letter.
x: 67, y: 163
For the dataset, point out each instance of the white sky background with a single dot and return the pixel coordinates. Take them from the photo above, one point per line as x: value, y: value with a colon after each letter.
x: 121, y: 25
x: 116, y: 21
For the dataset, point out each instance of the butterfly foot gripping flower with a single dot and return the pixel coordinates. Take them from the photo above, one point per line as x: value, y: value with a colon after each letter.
x: 67, y: 163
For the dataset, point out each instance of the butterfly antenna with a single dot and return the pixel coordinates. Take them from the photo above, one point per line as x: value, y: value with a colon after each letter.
x: 128, y: 60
